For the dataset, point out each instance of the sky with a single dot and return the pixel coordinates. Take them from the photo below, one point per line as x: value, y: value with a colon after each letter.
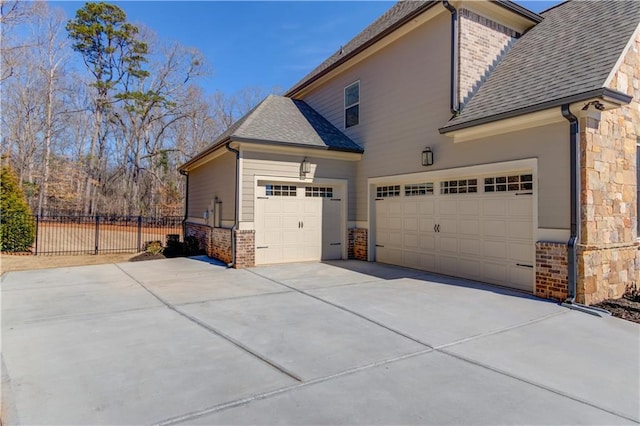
x: 268, y: 44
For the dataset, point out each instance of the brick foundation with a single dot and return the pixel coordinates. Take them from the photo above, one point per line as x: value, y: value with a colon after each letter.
x: 358, y: 244
x: 220, y: 244
x: 245, y: 249
x: 200, y: 232
x: 552, y: 277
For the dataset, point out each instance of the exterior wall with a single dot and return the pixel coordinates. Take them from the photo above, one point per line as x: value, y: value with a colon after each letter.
x: 482, y: 43
x: 245, y: 249
x: 609, y: 249
x: 264, y: 164
x: 213, y: 179
x: 217, y: 244
x: 404, y: 99
x: 200, y: 232
x: 552, y: 272
x: 358, y: 244
x: 220, y: 244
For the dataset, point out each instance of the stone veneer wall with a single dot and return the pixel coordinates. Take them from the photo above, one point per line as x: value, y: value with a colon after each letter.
x: 552, y: 271
x: 482, y: 43
x: 358, y: 244
x: 608, y: 250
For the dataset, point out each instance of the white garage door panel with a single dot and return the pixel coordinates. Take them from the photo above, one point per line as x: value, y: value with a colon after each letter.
x: 296, y: 227
x: 495, y: 249
x: 494, y: 207
x: 520, y: 206
x: 470, y: 247
x: 520, y: 229
x: 476, y: 235
x: 520, y: 278
x: 494, y: 228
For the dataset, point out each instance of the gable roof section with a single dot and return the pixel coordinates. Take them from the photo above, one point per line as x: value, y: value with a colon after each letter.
x: 401, y: 13
x: 283, y: 121
x: 565, y: 58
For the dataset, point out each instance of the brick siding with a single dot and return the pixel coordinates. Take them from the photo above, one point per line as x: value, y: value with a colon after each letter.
x: 552, y: 275
x: 245, y: 249
x: 482, y: 43
x: 358, y: 244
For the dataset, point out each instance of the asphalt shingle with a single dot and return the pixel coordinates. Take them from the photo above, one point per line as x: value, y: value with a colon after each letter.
x: 572, y: 51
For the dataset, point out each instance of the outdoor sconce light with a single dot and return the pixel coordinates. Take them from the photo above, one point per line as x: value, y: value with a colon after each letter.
x: 427, y: 157
x: 305, y: 167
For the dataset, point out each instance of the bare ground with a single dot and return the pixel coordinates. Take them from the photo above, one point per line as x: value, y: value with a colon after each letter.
x: 10, y: 263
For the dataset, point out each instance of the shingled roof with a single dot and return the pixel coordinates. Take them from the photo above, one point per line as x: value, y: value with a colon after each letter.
x: 401, y: 13
x: 283, y: 121
x: 565, y: 58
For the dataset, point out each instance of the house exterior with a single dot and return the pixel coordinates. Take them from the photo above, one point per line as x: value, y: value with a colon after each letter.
x: 473, y: 139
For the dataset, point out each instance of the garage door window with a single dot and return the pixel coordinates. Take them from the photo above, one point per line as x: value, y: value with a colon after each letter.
x: 461, y: 186
x: 318, y: 191
x: 281, y: 190
x: 508, y: 183
x: 415, y: 189
x: 388, y: 191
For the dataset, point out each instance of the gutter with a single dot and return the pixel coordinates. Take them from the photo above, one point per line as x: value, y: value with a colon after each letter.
x: 454, y: 104
x: 605, y: 94
x: 574, y: 238
x: 186, y: 203
x: 237, y: 201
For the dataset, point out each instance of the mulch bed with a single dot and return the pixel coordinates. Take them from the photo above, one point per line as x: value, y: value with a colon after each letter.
x: 622, y: 308
x: 147, y: 256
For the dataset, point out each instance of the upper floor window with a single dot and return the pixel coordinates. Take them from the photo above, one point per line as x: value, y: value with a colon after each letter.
x: 352, y: 105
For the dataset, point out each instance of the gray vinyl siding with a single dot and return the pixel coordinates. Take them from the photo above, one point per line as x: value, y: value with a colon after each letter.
x: 278, y: 165
x: 404, y: 99
x: 215, y: 178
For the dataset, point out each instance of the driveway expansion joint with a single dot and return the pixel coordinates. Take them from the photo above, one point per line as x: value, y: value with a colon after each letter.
x: 349, y: 311
x: 537, y: 385
x: 217, y: 332
x: 264, y: 395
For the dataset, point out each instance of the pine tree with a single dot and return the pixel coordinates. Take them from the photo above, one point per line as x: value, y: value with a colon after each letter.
x: 17, y: 227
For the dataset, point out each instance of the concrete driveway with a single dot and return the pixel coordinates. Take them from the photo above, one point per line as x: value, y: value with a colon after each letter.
x: 187, y: 341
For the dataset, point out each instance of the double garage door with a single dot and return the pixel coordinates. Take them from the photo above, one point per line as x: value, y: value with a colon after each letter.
x: 297, y: 223
x: 479, y: 227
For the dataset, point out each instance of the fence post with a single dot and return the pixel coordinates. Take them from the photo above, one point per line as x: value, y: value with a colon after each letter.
x: 97, y: 233
x: 37, y: 228
x: 139, y: 234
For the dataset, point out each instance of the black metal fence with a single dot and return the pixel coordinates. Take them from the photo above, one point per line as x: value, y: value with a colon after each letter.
x: 56, y: 235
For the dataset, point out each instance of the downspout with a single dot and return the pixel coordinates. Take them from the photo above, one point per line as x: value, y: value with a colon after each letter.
x: 237, y: 201
x: 186, y: 203
x: 574, y: 237
x: 454, y: 104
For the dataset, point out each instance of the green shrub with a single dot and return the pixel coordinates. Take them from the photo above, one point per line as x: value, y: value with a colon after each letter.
x: 153, y: 247
x: 17, y: 225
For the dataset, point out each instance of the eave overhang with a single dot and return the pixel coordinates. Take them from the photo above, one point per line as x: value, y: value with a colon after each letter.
x: 610, y: 99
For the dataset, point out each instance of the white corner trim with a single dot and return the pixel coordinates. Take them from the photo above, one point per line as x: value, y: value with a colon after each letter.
x: 554, y: 235
x: 630, y: 42
x: 246, y: 226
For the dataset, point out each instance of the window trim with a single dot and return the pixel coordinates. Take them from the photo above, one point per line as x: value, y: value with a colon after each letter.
x: 344, y: 102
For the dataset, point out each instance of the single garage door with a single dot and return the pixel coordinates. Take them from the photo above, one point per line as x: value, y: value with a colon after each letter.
x: 478, y: 227
x: 296, y: 223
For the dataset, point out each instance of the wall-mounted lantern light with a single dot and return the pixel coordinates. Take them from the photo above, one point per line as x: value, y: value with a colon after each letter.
x: 305, y: 167
x: 427, y: 157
